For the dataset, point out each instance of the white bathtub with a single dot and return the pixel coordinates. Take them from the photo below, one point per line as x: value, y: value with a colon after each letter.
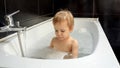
x: 94, y: 48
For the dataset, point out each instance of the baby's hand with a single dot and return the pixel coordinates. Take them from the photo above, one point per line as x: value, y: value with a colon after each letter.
x: 68, y: 57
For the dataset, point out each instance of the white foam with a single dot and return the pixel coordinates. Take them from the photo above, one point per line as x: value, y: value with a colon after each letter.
x: 49, y: 53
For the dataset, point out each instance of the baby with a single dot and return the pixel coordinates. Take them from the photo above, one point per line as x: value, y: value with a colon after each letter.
x: 63, y: 23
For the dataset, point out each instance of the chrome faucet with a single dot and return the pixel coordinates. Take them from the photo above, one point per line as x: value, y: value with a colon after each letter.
x: 9, y: 18
x: 10, y: 23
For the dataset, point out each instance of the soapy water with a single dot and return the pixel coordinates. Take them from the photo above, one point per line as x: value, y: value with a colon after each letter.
x: 85, y: 42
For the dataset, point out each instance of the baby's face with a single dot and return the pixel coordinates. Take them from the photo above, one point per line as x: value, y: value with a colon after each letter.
x: 62, y: 30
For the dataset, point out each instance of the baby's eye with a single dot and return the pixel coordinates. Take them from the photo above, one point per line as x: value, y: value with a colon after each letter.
x: 62, y: 30
x: 56, y: 30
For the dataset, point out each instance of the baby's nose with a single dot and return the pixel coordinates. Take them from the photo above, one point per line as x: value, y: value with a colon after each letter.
x: 59, y: 33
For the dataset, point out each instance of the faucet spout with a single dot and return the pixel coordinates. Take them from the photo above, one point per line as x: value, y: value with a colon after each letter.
x: 13, y: 13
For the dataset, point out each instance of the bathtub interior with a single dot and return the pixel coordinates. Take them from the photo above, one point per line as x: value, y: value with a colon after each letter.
x: 39, y: 37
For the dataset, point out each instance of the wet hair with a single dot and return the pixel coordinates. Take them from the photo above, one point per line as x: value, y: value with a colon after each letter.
x: 63, y: 15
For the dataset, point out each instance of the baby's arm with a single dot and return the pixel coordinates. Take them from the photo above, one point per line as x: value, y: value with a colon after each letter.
x: 74, y: 53
x: 75, y: 49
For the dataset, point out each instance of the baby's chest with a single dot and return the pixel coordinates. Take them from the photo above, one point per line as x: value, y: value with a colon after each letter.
x: 63, y: 47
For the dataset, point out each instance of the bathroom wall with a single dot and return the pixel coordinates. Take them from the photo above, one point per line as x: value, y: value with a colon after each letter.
x: 79, y: 8
x: 2, y: 12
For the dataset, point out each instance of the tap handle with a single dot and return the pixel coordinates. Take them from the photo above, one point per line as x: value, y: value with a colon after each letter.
x: 13, y: 13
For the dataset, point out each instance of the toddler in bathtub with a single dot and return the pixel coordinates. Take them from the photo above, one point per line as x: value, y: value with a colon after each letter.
x: 63, y: 23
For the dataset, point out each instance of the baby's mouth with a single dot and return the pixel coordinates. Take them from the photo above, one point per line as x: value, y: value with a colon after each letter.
x: 60, y: 38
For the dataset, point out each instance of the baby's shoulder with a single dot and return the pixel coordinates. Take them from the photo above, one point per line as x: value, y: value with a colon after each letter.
x: 74, y: 42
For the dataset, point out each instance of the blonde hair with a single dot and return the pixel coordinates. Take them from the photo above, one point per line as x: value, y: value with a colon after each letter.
x: 64, y: 15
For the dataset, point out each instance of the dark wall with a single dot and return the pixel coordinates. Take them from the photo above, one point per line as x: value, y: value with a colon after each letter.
x: 79, y: 8
x: 38, y: 7
x: 2, y: 13
x: 109, y: 13
x: 35, y: 7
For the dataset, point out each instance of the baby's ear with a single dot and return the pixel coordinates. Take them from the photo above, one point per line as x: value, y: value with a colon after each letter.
x: 71, y: 28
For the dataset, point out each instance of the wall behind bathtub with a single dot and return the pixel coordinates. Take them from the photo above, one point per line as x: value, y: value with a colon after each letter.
x: 79, y: 8
x: 35, y: 11
x: 2, y: 12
